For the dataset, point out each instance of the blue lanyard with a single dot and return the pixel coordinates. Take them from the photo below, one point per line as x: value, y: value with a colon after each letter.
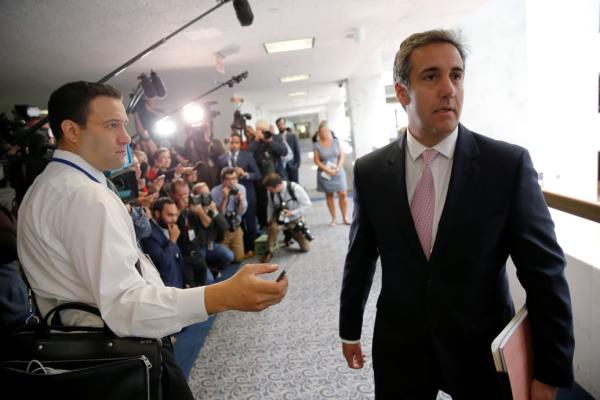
x: 73, y: 165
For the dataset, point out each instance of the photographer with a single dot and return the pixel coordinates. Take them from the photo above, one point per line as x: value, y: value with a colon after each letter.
x: 202, y: 227
x: 267, y: 150
x: 248, y: 175
x: 288, y: 203
x: 212, y: 229
x: 231, y: 198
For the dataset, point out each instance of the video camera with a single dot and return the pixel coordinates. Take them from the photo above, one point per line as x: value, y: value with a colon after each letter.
x: 239, y: 119
x: 126, y: 184
x: 24, y: 154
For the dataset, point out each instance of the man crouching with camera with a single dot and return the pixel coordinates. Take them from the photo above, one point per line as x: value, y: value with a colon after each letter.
x: 287, y: 205
x: 231, y: 199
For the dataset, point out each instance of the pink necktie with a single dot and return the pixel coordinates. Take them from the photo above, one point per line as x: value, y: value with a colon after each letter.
x: 423, y: 203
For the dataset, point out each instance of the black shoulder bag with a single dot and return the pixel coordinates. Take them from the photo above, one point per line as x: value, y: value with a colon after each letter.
x: 46, y: 361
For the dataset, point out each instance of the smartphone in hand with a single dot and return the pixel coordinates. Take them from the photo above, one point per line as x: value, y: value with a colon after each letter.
x: 280, y: 273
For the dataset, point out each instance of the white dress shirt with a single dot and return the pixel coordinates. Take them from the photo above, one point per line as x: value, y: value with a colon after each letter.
x: 76, y: 242
x: 441, y: 169
x: 297, y: 207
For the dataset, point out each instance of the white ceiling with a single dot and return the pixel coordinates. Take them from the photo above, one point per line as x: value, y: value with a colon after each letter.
x: 45, y: 43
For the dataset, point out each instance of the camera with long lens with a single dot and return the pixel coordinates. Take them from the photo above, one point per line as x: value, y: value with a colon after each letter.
x: 267, y: 134
x: 303, y: 229
x: 203, y: 199
x: 232, y: 221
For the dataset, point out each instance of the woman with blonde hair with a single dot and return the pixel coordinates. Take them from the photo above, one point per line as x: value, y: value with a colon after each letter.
x: 331, y: 177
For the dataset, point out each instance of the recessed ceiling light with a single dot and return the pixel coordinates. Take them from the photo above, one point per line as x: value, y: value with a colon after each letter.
x: 293, y: 94
x: 289, y: 45
x: 294, y: 78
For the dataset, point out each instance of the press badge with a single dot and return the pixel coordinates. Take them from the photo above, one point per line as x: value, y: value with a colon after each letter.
x: 191, y: 235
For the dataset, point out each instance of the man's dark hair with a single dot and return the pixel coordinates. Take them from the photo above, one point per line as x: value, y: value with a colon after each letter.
x: 177, y: 182
x: 72, y: 101
x: 279, y: 119
x: 227, y: 171
x: 272, y: 180
x: 402, y: 64
x: 160, y: 203
x: 237, y: 135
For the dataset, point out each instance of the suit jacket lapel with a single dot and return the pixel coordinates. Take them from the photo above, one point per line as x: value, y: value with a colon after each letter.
x: 465, y: 172
x: 396, y: 174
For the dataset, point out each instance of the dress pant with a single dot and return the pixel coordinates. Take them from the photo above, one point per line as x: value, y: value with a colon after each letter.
x: 261, y: 205
x: 273, y: 231
x: 174, y: 384
x: 235, y: 242
x: 292, y: 173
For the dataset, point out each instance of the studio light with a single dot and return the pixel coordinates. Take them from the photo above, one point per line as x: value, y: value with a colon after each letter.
x: 166, y: 127
x: 193, y: 113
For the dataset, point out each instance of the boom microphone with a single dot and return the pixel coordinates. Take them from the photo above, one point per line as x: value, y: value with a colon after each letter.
x: 243, y: 12
x: 160, y: 89
x: 149, y: 90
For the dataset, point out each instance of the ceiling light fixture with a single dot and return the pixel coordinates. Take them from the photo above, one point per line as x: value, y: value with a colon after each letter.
x: 294, y: 94
x: 289, y: 45
x: 294, y: 78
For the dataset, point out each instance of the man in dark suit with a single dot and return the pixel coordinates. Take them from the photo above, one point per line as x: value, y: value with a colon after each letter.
x: 248, y: 173
x: 474, y: 202
x: 161, y: 245
x: 292, y: 164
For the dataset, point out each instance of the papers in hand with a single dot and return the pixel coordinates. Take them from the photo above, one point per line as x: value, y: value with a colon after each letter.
x: 324, y: 174
x: 513, y: 357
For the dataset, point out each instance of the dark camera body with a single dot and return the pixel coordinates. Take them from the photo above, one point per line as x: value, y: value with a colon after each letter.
x: 204, y: 199
x: 303, y: 229
x: 234, y: 191
x: 268, y: 134
x: 126, y: 184
x: 232, y: 221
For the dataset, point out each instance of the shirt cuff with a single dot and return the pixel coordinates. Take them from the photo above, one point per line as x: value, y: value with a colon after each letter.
x: 192, y: 307
x: 350, y: 341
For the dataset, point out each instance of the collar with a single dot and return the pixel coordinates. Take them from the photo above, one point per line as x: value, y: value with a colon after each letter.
x: 446, y: 147
x: 164, y: 231
x: 80, y: 162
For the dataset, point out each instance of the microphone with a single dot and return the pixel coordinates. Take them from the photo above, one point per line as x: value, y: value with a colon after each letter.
x: 147, y: 86
x: 243, y: 12
x: 160, y: 89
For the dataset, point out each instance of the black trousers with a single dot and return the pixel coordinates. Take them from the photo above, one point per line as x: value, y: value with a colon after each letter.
x: 174, y: 384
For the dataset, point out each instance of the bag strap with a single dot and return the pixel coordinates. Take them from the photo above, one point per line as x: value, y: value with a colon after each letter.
x: 290, y: 190
x: 51, y: 322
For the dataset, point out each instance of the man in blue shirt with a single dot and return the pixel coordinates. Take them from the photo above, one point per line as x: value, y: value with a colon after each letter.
x: 230, y: 197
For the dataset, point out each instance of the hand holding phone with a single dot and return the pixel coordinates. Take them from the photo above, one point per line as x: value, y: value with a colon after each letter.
x: 276, y: 275
x: 280, y: 273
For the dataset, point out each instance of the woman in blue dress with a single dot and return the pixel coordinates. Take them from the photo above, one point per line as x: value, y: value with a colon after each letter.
x: 331, y: 177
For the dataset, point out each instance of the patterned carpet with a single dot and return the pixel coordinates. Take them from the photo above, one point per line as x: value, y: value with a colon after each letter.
x: 292, y: 350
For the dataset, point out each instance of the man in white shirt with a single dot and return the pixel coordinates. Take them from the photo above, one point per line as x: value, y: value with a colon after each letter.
x: 286, y: 210
x: 76, y: 241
